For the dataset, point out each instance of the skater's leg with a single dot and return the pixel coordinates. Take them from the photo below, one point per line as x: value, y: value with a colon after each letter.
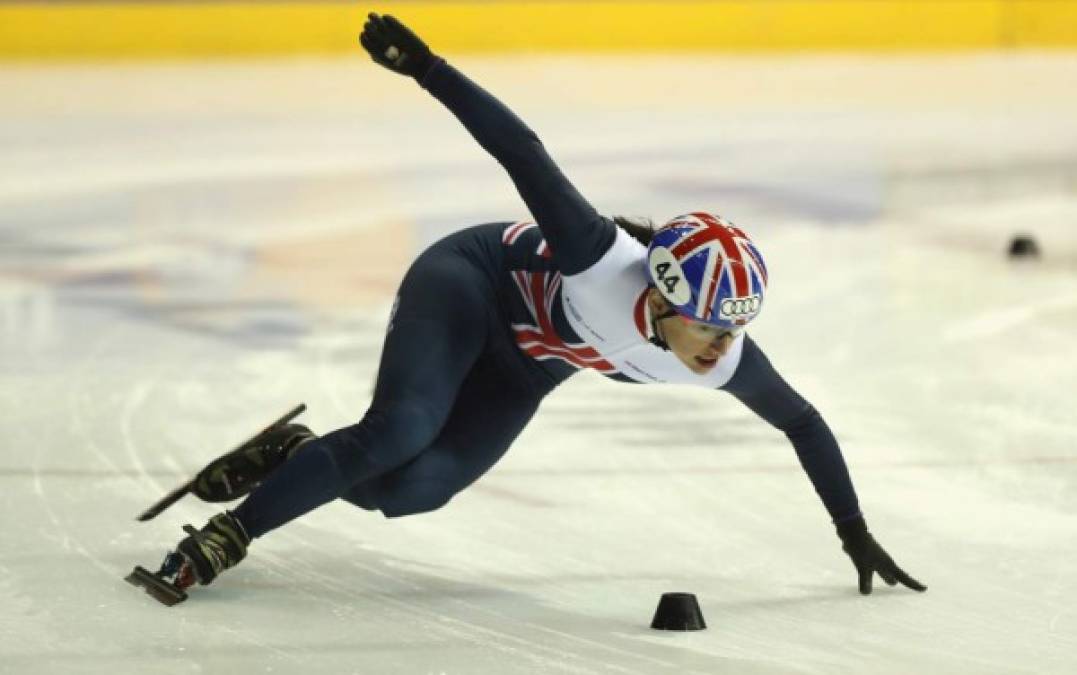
x: 489, y: 414
x: 446, y: 308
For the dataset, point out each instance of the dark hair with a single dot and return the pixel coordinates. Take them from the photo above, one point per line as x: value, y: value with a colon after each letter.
x: 641, y: 229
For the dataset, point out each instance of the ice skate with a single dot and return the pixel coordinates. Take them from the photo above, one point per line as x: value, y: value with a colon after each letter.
x: 236, y: 473
x: 199, y: 558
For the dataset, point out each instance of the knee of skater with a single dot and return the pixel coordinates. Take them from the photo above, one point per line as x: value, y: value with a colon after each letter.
x: 416, y: 497
x: 364, y: 496
x: 398, y: 431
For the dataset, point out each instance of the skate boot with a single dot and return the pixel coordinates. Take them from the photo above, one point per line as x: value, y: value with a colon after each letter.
x: 199, y: 558
x: 235, y: 474
x: 221, y: 544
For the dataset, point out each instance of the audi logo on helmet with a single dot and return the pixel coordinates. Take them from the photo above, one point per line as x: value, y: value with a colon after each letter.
x: 738, y: 308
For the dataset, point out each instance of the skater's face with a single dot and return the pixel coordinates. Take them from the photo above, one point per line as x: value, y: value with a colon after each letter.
x: 698, y: 345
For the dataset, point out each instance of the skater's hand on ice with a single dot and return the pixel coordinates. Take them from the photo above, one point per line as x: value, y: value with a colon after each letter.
x: 393, y: 45
x: 869, y: 558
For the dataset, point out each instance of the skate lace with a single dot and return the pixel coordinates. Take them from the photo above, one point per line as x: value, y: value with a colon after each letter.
x: 213, y: 550
x: 216, y: 554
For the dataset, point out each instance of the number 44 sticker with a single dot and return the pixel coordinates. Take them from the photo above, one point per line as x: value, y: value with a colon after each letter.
x: 670, y: 277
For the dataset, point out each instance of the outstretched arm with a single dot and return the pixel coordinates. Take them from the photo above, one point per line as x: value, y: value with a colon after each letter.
x: 576, y: 234
x: 757, y: 385
x: 761, y: 388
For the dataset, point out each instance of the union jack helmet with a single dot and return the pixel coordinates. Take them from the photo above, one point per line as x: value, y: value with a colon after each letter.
x: 708, y: 269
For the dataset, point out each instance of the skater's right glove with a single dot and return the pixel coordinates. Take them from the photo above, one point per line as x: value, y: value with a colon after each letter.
x: 869, y: 558
x: 393, y: 45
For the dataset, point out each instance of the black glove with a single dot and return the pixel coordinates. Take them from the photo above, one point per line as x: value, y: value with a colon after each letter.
x: 868, y: 557
x: 393, y: 45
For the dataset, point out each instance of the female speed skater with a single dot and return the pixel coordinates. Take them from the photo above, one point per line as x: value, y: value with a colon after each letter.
x: 492, y: 318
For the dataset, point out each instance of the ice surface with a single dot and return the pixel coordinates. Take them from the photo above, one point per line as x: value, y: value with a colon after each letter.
x: 188, y: 250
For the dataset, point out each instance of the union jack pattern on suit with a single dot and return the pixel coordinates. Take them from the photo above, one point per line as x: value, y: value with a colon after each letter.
x: 540, y: 291
x: 540, y: 340
x: 512, y: 235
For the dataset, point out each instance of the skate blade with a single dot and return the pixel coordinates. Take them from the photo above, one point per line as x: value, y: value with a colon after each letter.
x: 166, y: 501
x: 161, y: 590
x: 177, y: 494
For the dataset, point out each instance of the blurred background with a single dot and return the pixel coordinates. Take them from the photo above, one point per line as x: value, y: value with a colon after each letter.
x: 205, y: 209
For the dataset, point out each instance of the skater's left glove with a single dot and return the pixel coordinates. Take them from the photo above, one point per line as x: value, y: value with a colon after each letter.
x: 393, y: 45
x: 869, y: 558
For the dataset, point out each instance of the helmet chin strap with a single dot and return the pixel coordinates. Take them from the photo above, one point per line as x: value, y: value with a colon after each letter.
x: 656, y: 339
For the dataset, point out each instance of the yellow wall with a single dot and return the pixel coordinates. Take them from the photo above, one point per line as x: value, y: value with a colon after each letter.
x: 182, y: 29
x: 1044, y: 23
